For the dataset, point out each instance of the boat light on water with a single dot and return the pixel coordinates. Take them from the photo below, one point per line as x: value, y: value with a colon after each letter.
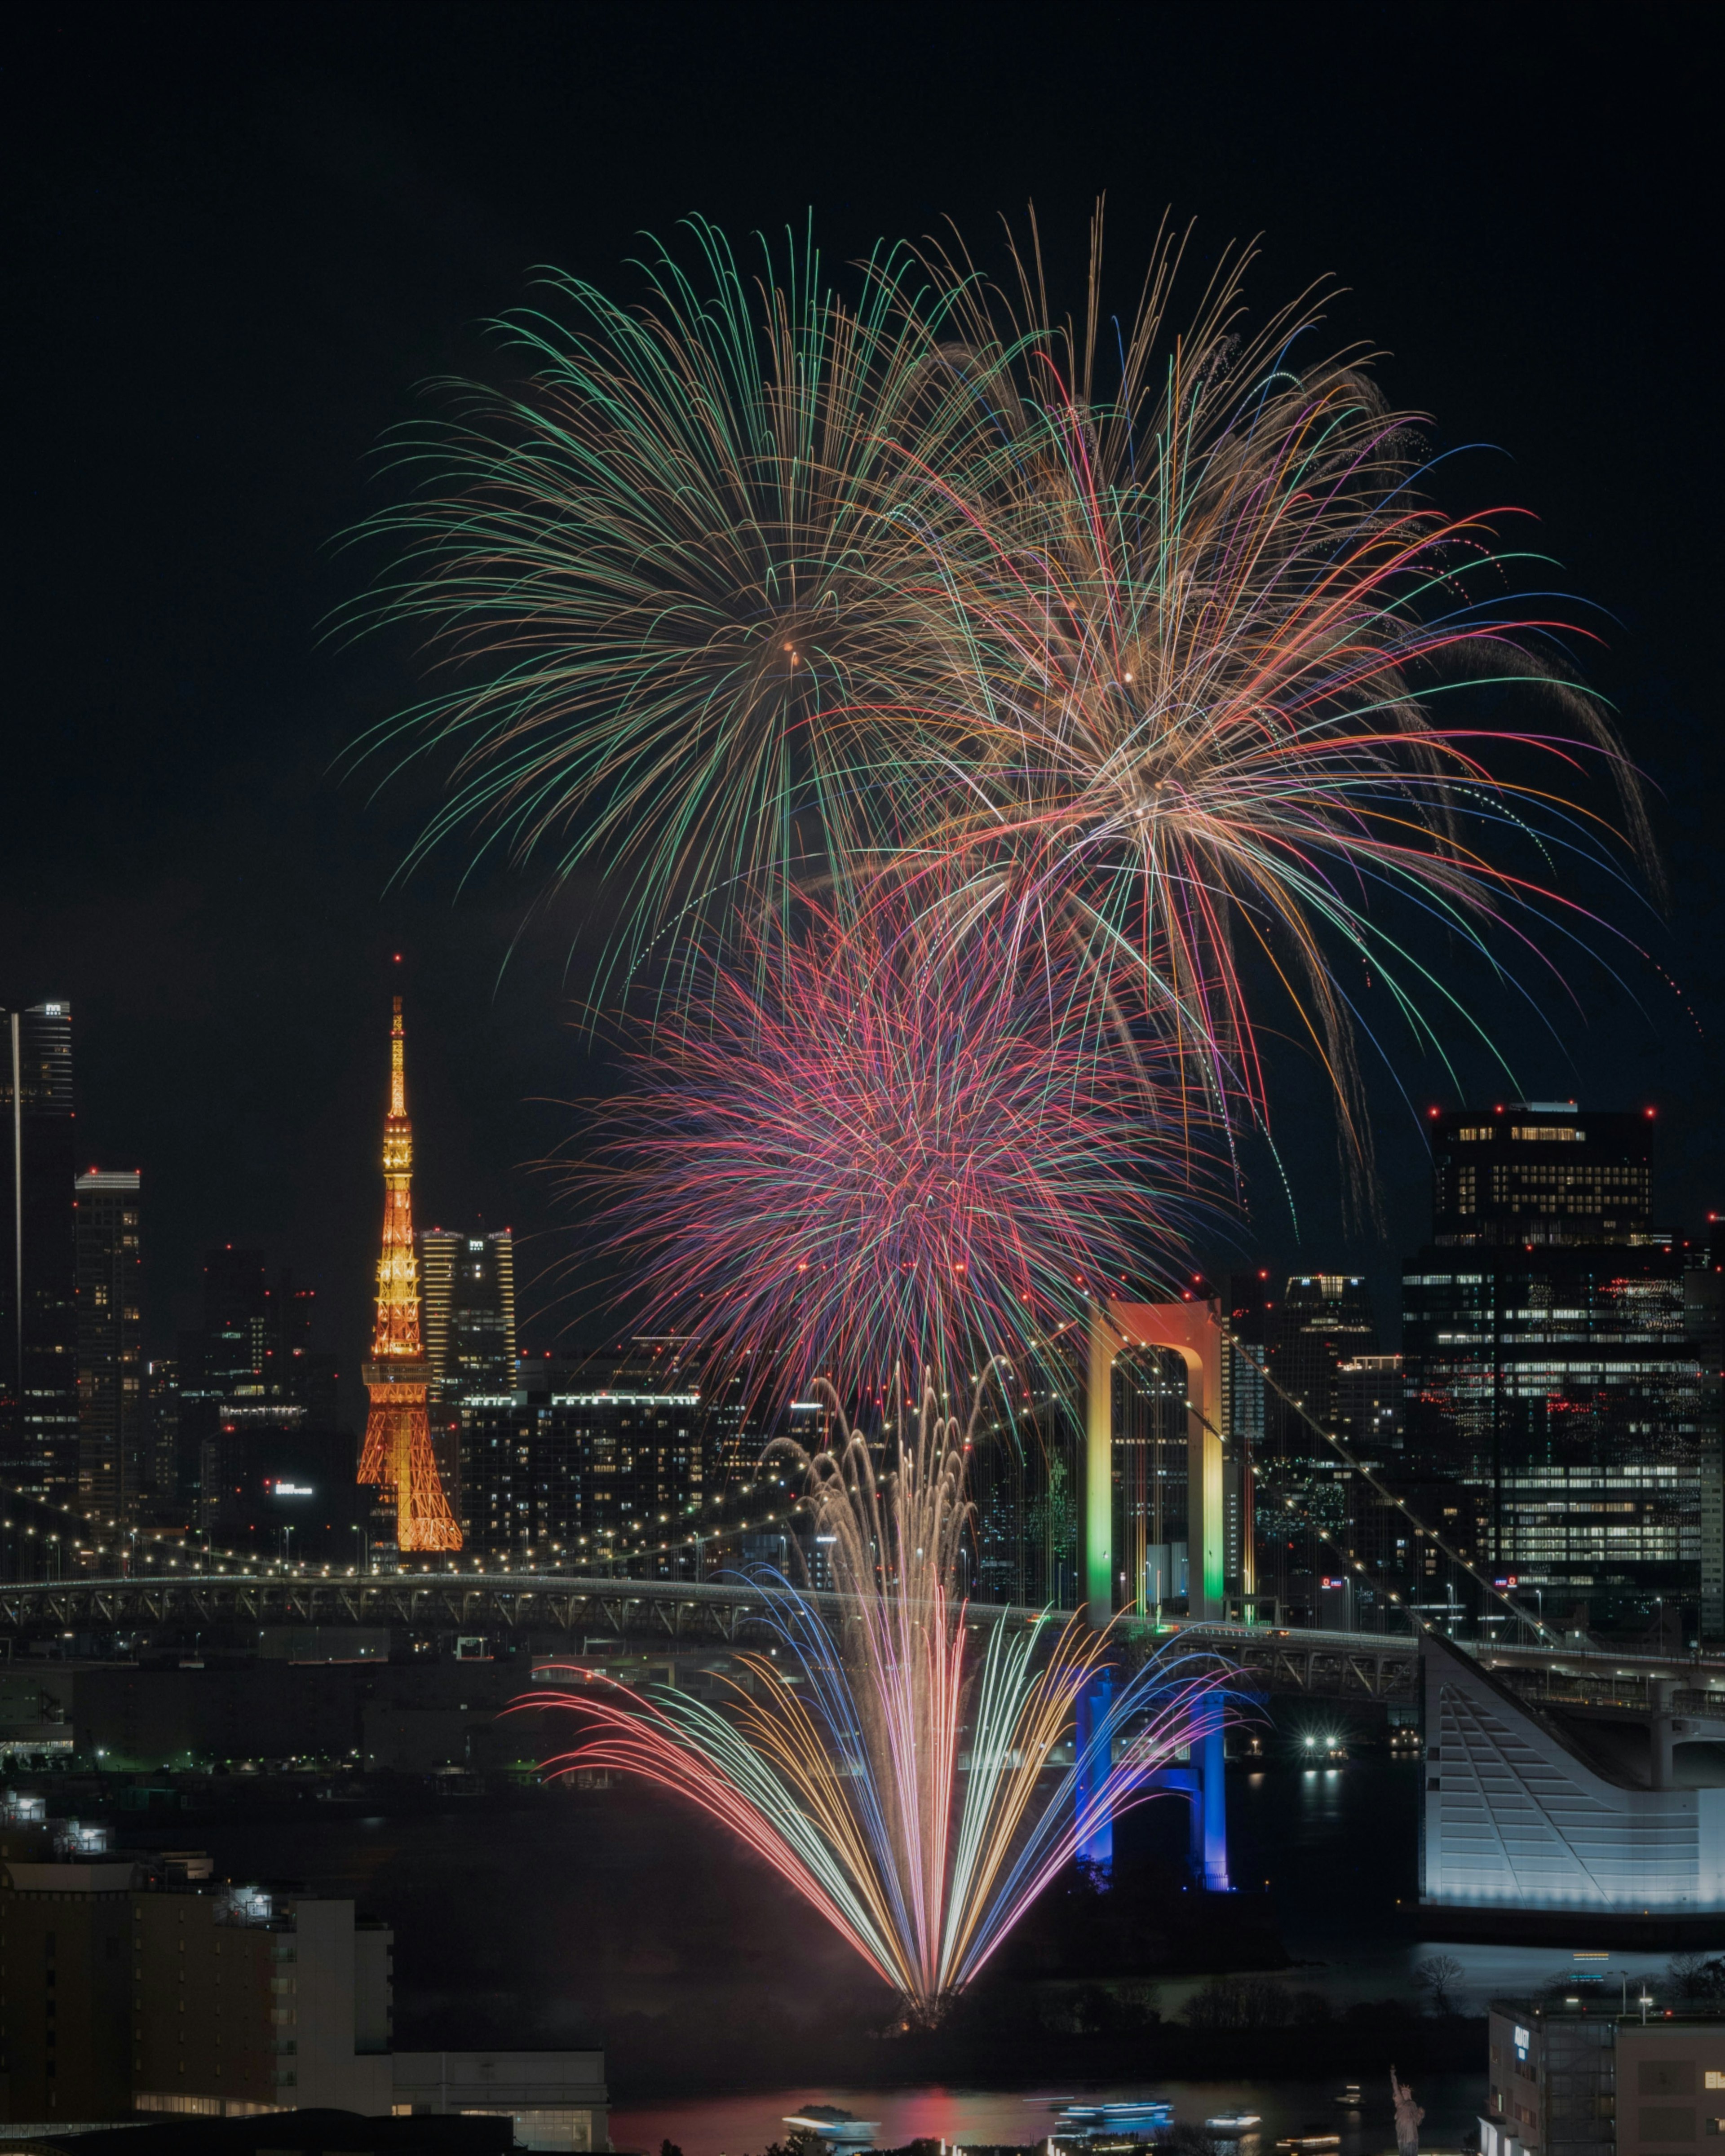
x: 1234, y: 2122
x: 1091, y: 2119
x: 839, y: 2131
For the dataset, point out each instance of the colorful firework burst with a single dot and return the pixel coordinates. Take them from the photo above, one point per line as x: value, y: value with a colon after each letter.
x: 665, y: 580
x: 1208, y: 630
x: 750, y: 591
x: 904, y: 1783
x: 876, y: 1138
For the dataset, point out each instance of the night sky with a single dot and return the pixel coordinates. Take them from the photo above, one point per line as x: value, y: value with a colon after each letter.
x: 240, y: 238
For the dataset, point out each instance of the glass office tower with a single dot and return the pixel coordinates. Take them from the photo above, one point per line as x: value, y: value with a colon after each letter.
x: 39, y: 1322
x: 114, y: 1467
x: 1553, y: 1364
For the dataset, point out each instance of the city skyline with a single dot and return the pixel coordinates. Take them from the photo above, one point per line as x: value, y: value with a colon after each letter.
x: 1667, y: 1199
x: 862, y: 1182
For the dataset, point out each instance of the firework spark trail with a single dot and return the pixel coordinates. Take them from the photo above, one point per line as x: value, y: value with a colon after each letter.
x: 678, y: 615
x: 871, y: 1136
x: 849, y: 1782
x: 1205, y: 624
x: 750, y: 591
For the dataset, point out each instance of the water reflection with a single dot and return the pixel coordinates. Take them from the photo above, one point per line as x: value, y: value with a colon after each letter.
x: 742, y: 2125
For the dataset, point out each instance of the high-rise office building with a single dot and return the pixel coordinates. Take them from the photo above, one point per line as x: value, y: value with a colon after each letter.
x: 251, y: 1363
x: 438, y: 1251
x: 1326, y: 1319
x: 39, y: 1315
x: 1368, y: 1404
x: 582, y: 1464
x: 1553, y: 1369
x: 161, y: 1419
x: 467, y: 1295
x: 112, y: 1454
x: 1704, y: 1321
x: 1539, y: 1172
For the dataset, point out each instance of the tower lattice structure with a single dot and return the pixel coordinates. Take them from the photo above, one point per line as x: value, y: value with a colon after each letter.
x: 398, y: 1451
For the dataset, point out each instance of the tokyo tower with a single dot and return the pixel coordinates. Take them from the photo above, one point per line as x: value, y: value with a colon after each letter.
x: 398, y: 1448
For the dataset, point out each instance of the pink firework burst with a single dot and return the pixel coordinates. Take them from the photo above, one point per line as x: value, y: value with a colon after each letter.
x: 864, y: 1144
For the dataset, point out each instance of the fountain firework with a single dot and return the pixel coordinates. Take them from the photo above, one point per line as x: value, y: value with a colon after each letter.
x: 902, y: 1781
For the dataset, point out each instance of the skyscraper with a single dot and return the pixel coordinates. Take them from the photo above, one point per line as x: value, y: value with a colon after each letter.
x: 250, y: 1366
x: 467, y: 1290
x: 1325, y: 1320
x: 1551, y: 1366
x: 39, y: 1315
x: 398, y: 1454
x: 467, y: 1283
x: 1538, y: 1173
x: 113, y: 1468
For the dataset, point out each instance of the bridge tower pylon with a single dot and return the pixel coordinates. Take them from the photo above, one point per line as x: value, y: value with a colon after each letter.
x: 1193, y: 1331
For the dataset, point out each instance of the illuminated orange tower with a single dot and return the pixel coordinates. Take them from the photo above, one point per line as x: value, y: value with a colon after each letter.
x: 398, y: 1447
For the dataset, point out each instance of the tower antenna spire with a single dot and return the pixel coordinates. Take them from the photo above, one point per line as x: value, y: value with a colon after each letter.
x: 398, y: 1451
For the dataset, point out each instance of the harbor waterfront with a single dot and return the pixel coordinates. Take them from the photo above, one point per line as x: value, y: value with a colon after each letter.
x: 681, y: 1943
x: 734, y: 2124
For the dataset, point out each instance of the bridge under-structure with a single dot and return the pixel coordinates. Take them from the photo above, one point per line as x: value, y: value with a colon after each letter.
x: 664, y: 1622
x: 566, y: 1614
x: 571, y: 1614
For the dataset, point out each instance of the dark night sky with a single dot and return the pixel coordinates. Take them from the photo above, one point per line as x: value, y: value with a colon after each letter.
x: 239, y: 237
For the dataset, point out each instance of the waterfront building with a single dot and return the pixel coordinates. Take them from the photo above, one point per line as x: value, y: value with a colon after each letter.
x: 39, y: 1314
x: 118, y: 1995
x: 557, y: 2100
x: 397, y: 1459
x: 1594, y: 2073
x: 114, y: 1467
x: 1590, y: 1811
x: 1551, y: 1361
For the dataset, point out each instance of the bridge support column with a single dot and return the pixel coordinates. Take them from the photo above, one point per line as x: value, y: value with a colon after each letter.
x: 1096, y: 1847
x: 1209, y: 1801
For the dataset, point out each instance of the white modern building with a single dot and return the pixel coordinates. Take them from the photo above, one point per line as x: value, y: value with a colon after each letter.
x: 558, y: 2099
x: 1594, y: 1810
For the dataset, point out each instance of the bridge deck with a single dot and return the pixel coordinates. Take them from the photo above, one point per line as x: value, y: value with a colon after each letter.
x: 581, y: 1611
